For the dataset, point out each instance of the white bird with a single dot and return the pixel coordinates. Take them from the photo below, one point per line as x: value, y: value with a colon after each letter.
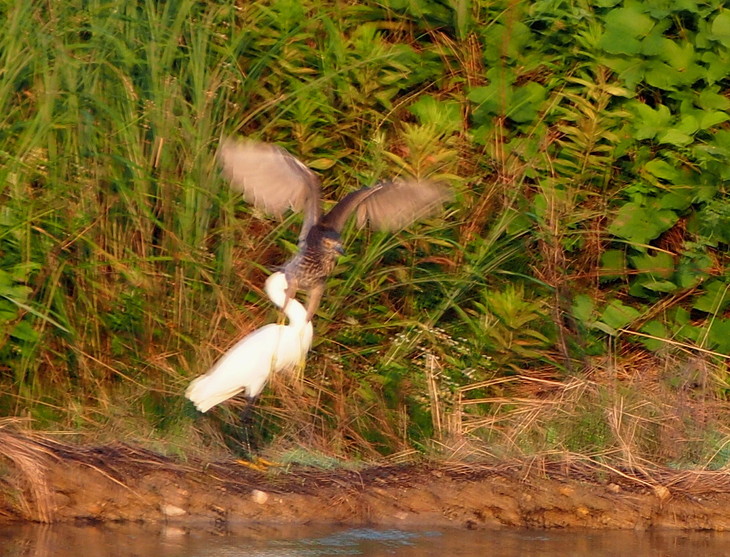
x: 248, y: 365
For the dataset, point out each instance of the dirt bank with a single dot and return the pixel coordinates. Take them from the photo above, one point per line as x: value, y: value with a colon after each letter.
x: 45, y: 481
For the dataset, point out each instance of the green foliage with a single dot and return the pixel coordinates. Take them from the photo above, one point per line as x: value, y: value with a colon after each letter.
x: 512, y: 327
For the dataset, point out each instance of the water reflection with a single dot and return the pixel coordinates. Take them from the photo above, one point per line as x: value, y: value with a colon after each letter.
x: 127, y: 540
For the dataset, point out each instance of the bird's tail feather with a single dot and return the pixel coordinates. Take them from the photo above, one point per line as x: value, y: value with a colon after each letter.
x: 204, y: 395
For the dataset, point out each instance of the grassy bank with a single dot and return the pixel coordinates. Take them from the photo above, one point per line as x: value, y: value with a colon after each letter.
x: 574, y: 297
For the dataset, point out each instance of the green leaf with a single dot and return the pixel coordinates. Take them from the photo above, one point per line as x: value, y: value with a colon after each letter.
x: 719, y: 335
x: 662, y: 169
x: 649, y: 122
x: 718, y: 65
x: 506, y: 41
x: 601, y: 326
x: 618, y: 41
x: 613, y: 264
x: 526, y: 102
x: 518, y: 222
x: 653, y: 44
x: 641, y: 224
x: 679, y: 198
x: 721, y: 28
x: 6, y: 280
x: 710, y: 99
x: 663, y: 76
x: 617, y: 315
x: 630, y: 70
x: 688, y: 124
x: 712, y: 222
x: 23, y: 331
x: 490, y: 98
x: 583, y: 308
x: 624, y: 28
x: 663, y: 286
x: 715, y: 299
x: 654, y: 328
x: 691, y: 270
x: 713, y: 118
x: 680, y: 56
x: 8, y: 311
x: 637, y: 290
x: 660, y: 265
x: 675, y: 137
x: 681, y: 316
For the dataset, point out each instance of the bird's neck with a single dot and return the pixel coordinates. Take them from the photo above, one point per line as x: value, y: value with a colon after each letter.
x: 296, y: 312
x: 318, y: 232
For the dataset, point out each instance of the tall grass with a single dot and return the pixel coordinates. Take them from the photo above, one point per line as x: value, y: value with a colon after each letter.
x: 128, y: 266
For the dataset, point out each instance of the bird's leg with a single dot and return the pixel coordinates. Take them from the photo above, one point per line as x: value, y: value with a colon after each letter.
x: 246, y: 420
x: 315, y: 295
x: 254, y: 462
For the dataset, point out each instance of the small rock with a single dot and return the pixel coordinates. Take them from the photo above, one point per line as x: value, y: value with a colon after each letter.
x: 400, y: 515
x: 566, y: 490
x: 172, y: 510
x: 614, y: 488
x: 260, y: 497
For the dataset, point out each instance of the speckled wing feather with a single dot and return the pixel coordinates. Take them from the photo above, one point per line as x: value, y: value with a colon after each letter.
x: 271, y: 179
x: 397, y: 204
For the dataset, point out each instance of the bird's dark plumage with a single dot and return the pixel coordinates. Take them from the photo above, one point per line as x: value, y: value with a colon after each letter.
x: 273, y: 180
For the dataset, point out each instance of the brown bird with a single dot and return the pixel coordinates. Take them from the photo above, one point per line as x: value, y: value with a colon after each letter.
x: 273, y: 180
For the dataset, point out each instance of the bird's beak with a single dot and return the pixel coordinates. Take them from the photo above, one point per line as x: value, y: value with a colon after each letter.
x: 339, y: 249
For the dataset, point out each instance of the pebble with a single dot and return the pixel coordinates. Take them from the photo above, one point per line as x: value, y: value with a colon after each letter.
x: 260, y: 497
x: 172, y: 510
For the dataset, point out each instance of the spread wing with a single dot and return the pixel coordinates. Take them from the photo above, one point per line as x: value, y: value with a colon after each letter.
x: 271, y: 179
x: 338, y: 215
x: 395, y: 205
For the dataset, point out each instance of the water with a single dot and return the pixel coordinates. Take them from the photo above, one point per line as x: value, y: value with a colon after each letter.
x: 268, y: 541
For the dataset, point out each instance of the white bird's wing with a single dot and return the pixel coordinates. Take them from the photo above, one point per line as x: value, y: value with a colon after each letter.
x: 245, y: 367
x: 248, y: 365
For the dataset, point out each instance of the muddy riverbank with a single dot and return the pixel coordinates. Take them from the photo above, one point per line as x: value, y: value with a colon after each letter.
x: 45, y: 481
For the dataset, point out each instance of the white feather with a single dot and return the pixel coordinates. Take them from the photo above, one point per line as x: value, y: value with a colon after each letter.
x: 248, y: 365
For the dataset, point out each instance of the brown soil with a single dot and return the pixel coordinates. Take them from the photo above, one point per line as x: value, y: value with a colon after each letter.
x: 45, y: 481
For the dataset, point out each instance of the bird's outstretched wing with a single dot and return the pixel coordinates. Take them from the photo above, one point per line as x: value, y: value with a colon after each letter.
x: 271, y: 179
x: 390, y: 205
x: 338, y: 215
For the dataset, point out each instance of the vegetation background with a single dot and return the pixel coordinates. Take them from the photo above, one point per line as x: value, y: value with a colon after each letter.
x: 573, y: 301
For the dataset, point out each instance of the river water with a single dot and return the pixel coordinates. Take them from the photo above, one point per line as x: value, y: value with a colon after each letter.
x: 125, y: 540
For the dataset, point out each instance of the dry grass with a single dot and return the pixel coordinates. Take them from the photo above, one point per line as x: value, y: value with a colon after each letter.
x: 27, y: 484
x: 634, y: 413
